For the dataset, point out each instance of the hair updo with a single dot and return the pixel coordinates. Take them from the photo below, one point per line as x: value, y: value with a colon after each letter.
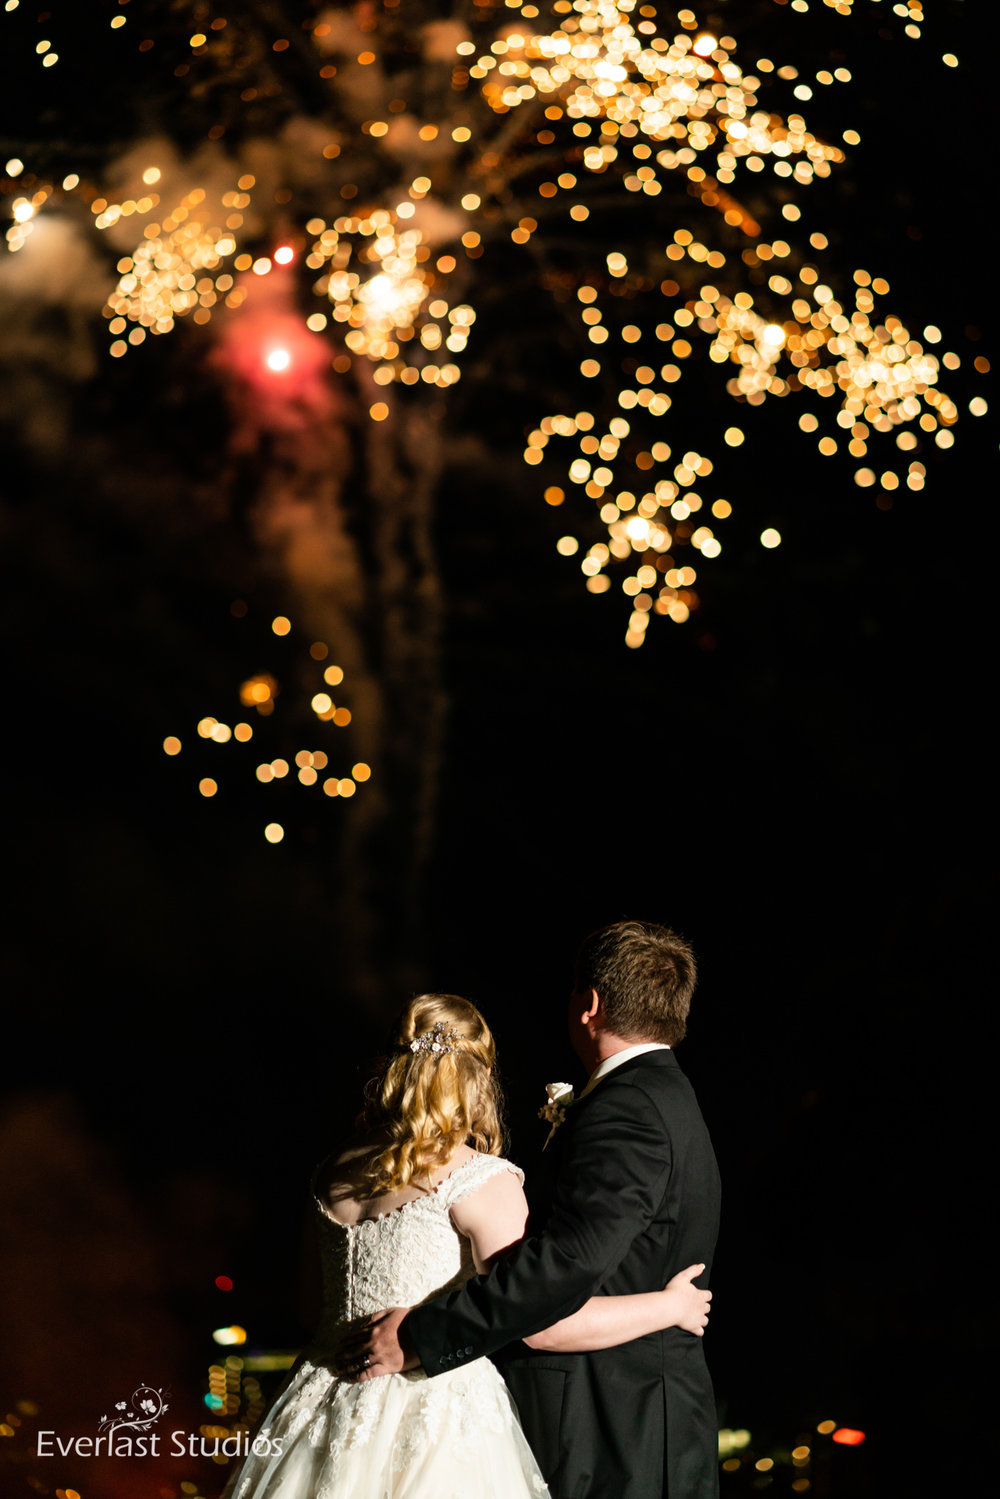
x: 427, y: 1102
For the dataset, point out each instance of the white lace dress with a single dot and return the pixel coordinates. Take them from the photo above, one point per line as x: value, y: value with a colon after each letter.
x: 402, y: 1436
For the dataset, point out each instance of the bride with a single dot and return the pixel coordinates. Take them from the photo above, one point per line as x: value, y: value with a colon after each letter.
x: 420, y: 1202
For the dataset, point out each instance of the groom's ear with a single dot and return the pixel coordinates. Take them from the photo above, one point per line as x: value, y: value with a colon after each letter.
x: 591, y: 1005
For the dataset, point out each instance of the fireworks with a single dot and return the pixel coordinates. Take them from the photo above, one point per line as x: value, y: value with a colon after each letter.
x: 687, y: 91
x: 626, y: 112
x: 23, y: 209
x: 379, y: 283
x: 306, y: 767
x: 882, y: 373
x: 164, y: 277
x: 882, y: 379
x: 160, y: 280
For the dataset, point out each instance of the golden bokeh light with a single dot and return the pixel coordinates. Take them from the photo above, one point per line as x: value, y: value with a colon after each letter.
x: 178, y: 267
x: 259, y: 692
x: 376, y: 273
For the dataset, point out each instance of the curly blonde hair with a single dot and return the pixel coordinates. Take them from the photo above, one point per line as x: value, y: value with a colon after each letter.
x: 428, y: 1102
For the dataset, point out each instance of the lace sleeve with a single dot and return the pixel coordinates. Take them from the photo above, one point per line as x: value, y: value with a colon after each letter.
x: 473, y: 1175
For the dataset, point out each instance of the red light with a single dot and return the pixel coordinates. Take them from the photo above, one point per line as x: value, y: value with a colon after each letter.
x: 846, y: 1436
x: 223, y: 1282
x: 276, y: 363
x: 284, y: 254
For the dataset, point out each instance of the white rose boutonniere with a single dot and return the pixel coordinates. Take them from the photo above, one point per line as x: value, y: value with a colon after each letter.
x: 559, y: 1097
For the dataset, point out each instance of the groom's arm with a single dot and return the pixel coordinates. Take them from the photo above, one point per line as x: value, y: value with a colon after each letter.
x: 610, y: 1184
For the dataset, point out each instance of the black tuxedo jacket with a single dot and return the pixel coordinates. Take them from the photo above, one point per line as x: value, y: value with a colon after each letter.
x: 636, y: 1199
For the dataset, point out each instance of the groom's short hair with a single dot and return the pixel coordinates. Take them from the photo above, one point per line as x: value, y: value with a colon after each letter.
x: 644, y: 976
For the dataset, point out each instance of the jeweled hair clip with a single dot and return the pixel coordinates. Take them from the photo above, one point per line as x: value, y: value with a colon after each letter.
x: 439, y: 1038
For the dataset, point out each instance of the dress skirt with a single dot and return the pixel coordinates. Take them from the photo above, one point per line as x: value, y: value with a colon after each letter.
x: 401, y: 1436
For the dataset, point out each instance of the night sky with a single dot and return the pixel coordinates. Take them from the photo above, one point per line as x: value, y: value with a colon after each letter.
x: 794, y: 778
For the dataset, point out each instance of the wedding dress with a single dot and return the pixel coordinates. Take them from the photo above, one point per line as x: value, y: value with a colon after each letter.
x: 400, y: 1436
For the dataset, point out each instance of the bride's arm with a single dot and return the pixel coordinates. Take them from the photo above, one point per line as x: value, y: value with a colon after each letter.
x: 495, y: 1217
x: 606, y: 1321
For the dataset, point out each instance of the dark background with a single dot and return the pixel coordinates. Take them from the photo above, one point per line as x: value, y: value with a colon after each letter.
x: 795, y: 779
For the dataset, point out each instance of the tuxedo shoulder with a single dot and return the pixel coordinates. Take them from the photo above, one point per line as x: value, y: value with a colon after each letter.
x: 651, y: 1072
x: 633, y: 1088
x: 656, y: 1077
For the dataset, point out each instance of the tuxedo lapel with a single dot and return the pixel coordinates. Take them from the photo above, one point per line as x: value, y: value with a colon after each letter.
x: 541, y: 1162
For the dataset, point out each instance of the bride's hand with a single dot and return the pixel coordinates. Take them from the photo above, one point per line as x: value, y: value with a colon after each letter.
x: 688, y: 1305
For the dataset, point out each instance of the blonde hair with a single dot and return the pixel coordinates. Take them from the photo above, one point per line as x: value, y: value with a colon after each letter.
x: 429, y: 1102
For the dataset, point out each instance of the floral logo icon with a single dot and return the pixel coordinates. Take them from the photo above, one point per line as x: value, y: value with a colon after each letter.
x: 138, y: 1414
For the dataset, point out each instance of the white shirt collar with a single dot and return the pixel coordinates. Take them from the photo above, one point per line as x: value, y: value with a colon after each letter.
x: 610, y: 1063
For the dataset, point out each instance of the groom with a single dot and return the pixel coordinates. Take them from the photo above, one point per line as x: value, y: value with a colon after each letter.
x: 636, y: 1199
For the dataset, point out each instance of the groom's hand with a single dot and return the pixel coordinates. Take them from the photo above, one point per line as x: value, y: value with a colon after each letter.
x: 381, y: 1346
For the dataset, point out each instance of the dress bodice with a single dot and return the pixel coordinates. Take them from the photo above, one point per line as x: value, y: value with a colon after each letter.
x: 400, y: 1258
